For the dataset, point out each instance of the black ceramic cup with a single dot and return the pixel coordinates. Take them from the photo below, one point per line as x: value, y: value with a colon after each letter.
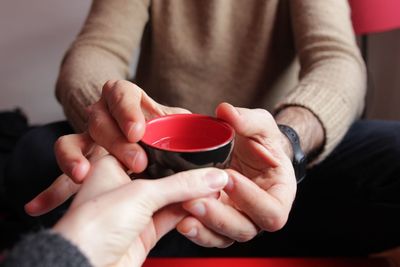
x: 180, y: 142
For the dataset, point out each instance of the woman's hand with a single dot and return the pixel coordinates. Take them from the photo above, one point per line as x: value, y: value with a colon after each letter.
x: 116, y: 221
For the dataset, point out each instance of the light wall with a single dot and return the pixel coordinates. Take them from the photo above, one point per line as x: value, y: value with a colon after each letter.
x: 33, y: 38
x: 35, y: 35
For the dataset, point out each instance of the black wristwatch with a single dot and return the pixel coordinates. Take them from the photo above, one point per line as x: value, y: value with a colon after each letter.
x: 299, y: 158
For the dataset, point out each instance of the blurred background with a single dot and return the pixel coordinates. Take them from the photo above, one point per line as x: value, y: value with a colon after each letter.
x: 35, y: 35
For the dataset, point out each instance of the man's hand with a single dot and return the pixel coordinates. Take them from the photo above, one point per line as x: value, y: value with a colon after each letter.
x: 262, y: 184
x: 115, y: 124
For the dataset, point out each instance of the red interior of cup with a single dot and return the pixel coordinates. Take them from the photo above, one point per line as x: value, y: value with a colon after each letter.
x: 187, y: 133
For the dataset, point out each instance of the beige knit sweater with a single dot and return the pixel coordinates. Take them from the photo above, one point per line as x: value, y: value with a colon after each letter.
x: 197, y: 53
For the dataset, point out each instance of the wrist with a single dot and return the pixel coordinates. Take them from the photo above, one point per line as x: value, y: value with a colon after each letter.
x: 68, y: 228
x: 306, y: 125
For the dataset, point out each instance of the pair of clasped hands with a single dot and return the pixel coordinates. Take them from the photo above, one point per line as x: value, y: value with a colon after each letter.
x: 116, y: 221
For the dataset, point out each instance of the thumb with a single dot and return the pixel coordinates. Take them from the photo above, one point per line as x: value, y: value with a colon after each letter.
x: 185, y: 186
x: 257, y: 126
x: 248, y: 122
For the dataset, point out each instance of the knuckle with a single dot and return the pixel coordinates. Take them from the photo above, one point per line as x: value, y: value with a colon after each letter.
x: 115, y: 146
x: 206, y: 243
x: 59, y: 145
x: 265, y: 113
x: 122, y: 99
x: 95, y: 124
x: 209, y: 242
x: 273, y: 222
x: 225, y: 244
x: 109, y: 84
x: 262, y: 139
x: 136, y: 88
x: 247, y: 235
x: 104, y: 162
x: 220, y: 225
x: 108, y: 87
x: 120, y: 84
x: 191, y: 180
x: 114, y: 101
x: 142, y: 186
x: 183, y: 182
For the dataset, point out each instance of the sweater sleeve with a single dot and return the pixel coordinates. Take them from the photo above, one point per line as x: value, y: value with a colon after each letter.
x: 45, y: 249
x: 102, y: 51
x: 332, y: 80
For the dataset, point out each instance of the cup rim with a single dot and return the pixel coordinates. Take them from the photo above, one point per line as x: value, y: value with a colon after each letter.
x: 228, y: 140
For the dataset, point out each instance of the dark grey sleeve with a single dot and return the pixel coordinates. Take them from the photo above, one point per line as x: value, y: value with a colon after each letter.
x: 45, y: 249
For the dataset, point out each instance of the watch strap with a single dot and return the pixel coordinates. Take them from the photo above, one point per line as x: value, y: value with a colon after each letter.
x: 299, y: 158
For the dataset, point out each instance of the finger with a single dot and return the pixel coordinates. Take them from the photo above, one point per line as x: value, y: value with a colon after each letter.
x: 105, y: 132
x: 257, y: 125
x: 56, y: 194
x: 195, y: 231
x: 145, y: 197
x: 268, y: 209
x: 163, y: 222
x: 70, y: 151
x: 167, y: 218
x: 173, y: 216
x: 96, y: 153
x: 142, y: 198
x: 247, y: 122
x: 222, y: 219
x: 123, y: 100
x: 156, y: 194
x: 188, y: 185
x: 105, y: 175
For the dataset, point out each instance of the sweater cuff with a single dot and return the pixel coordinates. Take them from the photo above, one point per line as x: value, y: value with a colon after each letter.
x: 75, y: 103
x: 324, y: 105
x: 46, y: 249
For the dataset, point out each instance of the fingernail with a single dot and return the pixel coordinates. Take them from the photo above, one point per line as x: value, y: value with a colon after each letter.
x: 78, y: 171
x: 130, y: 158
x: 197, y: 209
x: 192, y: 232
x: 230, y: 184
x: 216, y: 179
x: 32, y: 207
x: 73, y: 167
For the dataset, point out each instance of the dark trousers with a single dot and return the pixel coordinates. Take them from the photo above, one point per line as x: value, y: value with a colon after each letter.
x: 348, y: 205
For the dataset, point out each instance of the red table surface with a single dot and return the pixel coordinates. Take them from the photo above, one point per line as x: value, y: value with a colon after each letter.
x: 267, y: 262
